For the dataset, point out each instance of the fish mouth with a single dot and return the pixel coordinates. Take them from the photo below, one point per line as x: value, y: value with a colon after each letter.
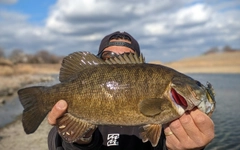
x: 178, y: 99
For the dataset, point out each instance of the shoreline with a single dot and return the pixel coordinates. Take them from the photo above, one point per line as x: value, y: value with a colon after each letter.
x: 225, y: 62
x: 9, y: 85
x: 13, y: 137
x: 209, y: 70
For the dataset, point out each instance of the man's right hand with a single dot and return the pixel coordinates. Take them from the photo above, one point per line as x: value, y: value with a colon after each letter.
x: 57, y: 111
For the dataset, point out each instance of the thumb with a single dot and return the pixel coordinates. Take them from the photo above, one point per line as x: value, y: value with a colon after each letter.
x: 57, y: 111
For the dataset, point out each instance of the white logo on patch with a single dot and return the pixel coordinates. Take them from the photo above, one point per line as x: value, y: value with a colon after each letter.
x: 112, y: 139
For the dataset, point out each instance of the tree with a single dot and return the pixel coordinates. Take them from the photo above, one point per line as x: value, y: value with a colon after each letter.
x: 228, y: 49
x: 18, y: 56
x: 212, y: 50
x: 47, y: 57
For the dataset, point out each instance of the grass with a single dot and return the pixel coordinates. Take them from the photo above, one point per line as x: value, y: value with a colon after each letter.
x: 20, y: 69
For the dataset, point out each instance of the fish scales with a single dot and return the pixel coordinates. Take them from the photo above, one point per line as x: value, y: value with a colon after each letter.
x: 109, y: 93
x: 118, y: 91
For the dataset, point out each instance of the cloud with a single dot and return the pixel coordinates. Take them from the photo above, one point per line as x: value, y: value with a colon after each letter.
x: 166, y: 31
x: 196, y: 14
x: 17, y: 33
x: 76, y: 16
x: 8, y: 1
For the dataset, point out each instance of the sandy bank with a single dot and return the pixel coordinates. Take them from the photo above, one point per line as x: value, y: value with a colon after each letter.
x: 14, y: 77
x: 10, y: 84
x: 13, y: 137
x: 227, y: 62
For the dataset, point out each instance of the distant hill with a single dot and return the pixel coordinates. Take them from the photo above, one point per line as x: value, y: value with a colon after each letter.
x: 221, y: 62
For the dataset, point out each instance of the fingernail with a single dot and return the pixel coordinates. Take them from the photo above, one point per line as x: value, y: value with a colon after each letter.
x: 61, y: 104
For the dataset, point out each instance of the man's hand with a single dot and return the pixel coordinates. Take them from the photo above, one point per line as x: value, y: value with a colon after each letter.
x: 194, y: 130
x: 57, y: 111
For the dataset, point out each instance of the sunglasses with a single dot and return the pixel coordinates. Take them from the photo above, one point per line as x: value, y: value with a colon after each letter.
x: 109, y: 54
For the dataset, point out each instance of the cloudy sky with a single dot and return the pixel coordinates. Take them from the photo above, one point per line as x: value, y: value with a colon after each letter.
x: 166, y: 30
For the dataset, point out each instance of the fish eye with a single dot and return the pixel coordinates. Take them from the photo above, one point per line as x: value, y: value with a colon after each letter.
x: 198, y: 83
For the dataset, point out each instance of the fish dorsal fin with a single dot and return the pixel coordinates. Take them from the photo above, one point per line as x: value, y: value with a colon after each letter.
x: 72, y: 128
x: 77, y: 62
x: 126, y: 58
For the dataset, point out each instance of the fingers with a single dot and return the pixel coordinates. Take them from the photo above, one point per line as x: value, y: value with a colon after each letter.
x: 171, y: 138
x: 57, y: 111
x: 193, y: 130
x: 177, y: 128
x: 204, y: 124
x: 180, y: 138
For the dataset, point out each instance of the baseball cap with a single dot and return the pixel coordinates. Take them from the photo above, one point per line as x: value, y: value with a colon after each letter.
x: 106, y: 42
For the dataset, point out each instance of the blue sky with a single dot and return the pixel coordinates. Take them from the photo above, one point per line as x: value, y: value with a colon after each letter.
x: 166, y: 31
x: 36, y: 10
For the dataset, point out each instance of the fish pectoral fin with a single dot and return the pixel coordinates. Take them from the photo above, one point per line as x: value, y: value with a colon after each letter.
x: 151, y: 132
x: 151, y: 107
x: 72, y: 128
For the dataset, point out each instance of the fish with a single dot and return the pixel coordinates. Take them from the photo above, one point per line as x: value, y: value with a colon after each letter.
x: 123, y: 91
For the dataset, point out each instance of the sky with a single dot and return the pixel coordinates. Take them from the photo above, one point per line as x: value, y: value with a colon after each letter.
x: 166, y: 30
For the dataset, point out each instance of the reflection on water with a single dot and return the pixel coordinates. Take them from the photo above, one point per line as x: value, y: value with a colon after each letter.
x: 227, y: 113
x: 226, y: 116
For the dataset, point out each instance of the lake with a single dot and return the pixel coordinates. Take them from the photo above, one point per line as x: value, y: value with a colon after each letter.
x: 226, y: 116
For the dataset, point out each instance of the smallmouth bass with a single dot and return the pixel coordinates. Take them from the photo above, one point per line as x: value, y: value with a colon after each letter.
x: 120, y: 91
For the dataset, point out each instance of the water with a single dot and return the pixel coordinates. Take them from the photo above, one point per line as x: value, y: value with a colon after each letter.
x: 226, y: 116
x: 13, y: 108
x: 10, y: 111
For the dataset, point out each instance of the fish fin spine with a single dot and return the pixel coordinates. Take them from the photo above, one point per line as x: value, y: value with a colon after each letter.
x: 75, y: 63
x: 72, y: 128
x: 152, y: 133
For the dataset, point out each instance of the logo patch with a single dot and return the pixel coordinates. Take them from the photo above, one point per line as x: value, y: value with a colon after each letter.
x: 112, y: 139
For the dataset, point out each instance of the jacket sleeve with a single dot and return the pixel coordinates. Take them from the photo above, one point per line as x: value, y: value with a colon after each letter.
x: 55, y: 142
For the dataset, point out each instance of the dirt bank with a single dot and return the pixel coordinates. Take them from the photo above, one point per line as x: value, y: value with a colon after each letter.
x: 12, y: 137
x: 10, y: 84
x: 14, y: 77
x: 225, y: 62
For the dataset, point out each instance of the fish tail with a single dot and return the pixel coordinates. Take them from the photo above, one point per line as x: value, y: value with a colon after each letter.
x: 34, y: 112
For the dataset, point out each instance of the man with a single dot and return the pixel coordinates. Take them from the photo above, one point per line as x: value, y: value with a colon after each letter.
x: 194, y: 130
